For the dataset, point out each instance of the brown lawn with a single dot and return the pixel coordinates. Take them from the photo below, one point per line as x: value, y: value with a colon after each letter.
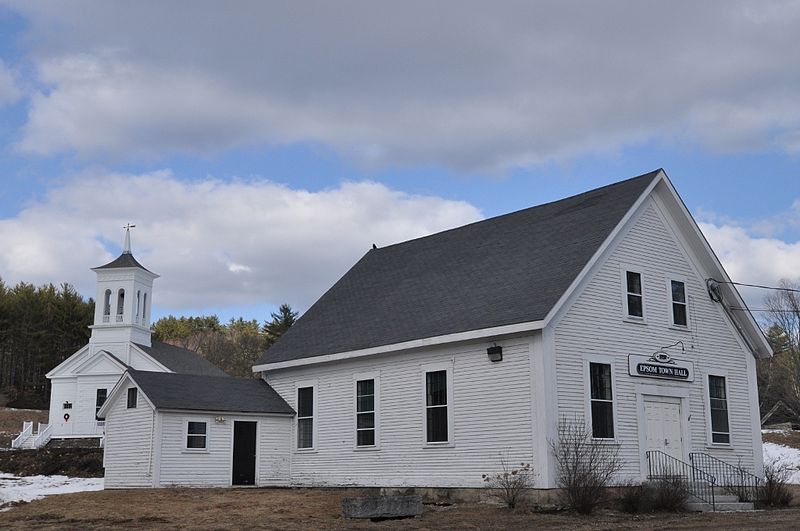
x: 786, y: 438
x: 295, y: 509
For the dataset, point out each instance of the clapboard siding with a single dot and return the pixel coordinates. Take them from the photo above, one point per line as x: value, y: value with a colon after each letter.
x: 593, y: 325
x: 491, y: 411
x: 212, y: 467
x: 129, y: 443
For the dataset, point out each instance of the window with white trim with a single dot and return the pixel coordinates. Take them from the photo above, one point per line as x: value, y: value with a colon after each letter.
x: 305, y: 417
x: 436, y: 407
x: 196, y: 435
x: 680, y: 316
x: 133, y: 397
x: 718, y: 397
x: 365, y: 412
x: 634, y: 298
x: 602, y: 401
x: 100, y: 399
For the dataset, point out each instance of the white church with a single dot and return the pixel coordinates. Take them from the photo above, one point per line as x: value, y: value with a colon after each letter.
x: 120, y: 341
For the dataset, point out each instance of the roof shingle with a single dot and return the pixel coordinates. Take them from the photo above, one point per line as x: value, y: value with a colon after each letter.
x: 504, y: 270
x: 181, y: 360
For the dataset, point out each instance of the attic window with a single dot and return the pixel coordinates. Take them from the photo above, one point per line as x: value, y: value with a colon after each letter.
x: 133, y: 397
x: 634, y: 299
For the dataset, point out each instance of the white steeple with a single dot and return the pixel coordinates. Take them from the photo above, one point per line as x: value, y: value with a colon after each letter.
x: 124, y: 299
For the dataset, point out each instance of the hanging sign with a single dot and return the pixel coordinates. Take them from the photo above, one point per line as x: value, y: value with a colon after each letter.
x: 661, y: 365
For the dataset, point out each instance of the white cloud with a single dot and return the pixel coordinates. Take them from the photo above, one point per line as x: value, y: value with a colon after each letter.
x: 9, y: 92
x: 468, y: 84
x: 215, y: 244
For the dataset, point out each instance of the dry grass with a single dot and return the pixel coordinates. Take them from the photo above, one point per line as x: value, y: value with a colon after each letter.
x: 296, y: 509
x: 11, y: 422
x: 786, y: 438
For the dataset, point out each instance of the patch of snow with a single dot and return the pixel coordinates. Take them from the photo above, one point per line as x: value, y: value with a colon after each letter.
x: 784, y: 455
x: 29, y: 488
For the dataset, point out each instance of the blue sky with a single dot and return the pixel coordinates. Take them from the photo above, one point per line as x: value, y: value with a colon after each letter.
x: 261, y: 152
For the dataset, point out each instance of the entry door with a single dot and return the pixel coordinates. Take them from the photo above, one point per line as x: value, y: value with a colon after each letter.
x: 244, y: 453
x: 663, y: 418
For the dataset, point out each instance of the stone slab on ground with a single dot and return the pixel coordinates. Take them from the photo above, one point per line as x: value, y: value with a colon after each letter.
x: 382, y: 507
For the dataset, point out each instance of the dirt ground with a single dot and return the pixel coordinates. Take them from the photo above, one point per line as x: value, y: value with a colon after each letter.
x: 73, y: 462
x: 296, y: 509
x: 11, y: 422
x: 786, y: 438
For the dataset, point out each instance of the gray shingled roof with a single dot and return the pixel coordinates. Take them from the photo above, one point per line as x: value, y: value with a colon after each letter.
x: 181, y: 360
x: 504, y: 270
x: 209, y: 393
x: 124, y: 260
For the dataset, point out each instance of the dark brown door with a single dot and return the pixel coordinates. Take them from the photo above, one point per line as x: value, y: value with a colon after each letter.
x: 244, y: 453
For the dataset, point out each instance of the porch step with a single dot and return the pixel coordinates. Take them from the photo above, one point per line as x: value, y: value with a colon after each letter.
x: 721, y: 506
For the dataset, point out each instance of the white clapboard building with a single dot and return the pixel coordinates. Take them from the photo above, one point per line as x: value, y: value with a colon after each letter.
x: 120, y: 340
x: 431, y: 358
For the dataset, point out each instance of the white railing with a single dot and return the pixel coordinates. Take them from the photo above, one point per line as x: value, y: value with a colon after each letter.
x: 27, y: 429
x: 44, y: 435
x: 119, y: 318
x: 106, y: 318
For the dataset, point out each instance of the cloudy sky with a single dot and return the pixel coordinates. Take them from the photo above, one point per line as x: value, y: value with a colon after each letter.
x: 261, y: 148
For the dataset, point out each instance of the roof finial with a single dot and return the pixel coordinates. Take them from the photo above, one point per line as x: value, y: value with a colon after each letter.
x: 127, y: 247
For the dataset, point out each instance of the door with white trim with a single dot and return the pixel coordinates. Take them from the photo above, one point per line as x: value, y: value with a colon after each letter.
x: 663, y: 425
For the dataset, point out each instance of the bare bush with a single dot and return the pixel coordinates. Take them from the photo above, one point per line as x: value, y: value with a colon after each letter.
x: 670, y: 493
x: 634, y: 499
x: 585, y: 466
x: 774, y: 492
x: 509, y: 484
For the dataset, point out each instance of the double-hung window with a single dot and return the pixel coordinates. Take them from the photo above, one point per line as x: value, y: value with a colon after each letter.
x: 365, y: 412
x: 634, y: 298
x: 305, y: 417
x: 133, y: 397
x: 436, y: 407
x: 679, y: 304
x: 100, y: 399
x: 718, y: 396
x: 196, y: 435
x: 602, y: 401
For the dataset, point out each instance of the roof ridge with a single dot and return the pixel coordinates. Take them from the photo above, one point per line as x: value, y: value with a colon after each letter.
x: 651, y: 174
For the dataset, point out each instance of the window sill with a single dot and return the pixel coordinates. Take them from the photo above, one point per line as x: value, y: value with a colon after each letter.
x: 608, y: 442
x: 203, y: 451
x: 680, y: 328
x: 719, y: 446
x: 366, y: 448
x: 439, y: 445
x: 305, y: 450
x: 634, y: 320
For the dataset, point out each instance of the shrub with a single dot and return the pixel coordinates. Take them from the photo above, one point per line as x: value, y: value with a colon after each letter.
x: 634, y: 499
x: 585, y: 466
x: 774, y: 492
x: 509, y: 484
x: 670, y: 493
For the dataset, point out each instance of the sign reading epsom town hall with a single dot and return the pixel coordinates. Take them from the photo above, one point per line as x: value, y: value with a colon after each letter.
x: 660, y: 365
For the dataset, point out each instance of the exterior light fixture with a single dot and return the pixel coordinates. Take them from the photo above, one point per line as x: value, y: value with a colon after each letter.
x: 495, y: 353
x: 219, y: 420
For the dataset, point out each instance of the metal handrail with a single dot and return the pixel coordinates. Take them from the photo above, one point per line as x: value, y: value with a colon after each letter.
x: 734, y: 479
x: 27, y: 429
x: 699, y: 483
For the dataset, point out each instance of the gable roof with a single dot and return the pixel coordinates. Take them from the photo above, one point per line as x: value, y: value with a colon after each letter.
x: 501, y: 271
x: 190, y: 392
x: 126, y: 259
x: 180, y: 360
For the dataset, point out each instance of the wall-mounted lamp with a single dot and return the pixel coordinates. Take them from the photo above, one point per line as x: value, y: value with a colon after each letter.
x: 495, y: 353
x: 219, y: 420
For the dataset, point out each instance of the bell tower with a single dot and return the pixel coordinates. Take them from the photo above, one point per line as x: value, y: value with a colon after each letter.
x: 124, y: 299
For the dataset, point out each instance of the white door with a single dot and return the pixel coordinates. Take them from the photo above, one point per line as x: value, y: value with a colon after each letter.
x: 663, y: 419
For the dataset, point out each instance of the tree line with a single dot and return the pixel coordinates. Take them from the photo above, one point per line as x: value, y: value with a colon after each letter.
x: 234, y: 346
x: 41, y: 326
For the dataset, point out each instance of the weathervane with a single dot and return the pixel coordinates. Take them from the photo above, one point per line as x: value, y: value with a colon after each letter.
x: 127, y: 246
